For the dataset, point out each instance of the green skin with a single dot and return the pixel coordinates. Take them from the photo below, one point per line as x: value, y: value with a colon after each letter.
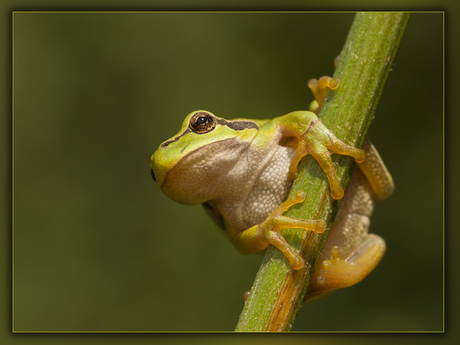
x: 242, y: 171
x: 226, y: 167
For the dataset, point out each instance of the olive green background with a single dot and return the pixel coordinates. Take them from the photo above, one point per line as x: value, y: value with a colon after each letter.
x: 98, y: 247
x: 451, y: 171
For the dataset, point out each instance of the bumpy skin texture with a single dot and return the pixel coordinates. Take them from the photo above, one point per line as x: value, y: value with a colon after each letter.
x: 242, y: 172
x: 350, y: 253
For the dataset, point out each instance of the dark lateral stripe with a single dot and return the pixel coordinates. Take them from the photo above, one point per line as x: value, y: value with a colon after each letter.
x: 237, y: 125
x: 166, y: 143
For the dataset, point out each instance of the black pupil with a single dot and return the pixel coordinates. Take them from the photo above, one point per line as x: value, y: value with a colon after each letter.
x: 201, y: 120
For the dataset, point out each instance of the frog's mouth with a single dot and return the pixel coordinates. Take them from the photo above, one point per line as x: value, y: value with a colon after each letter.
x: 153, y: 175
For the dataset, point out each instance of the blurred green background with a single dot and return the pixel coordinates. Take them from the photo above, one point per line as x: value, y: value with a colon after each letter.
x: 98, y: 247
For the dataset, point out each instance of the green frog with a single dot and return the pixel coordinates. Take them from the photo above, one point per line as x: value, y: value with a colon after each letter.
x: 242, y: 170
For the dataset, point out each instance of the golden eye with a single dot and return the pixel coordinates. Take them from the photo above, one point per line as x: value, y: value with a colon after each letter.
x: 202, y: 122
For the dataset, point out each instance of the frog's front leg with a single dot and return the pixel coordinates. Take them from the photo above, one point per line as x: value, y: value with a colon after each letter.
x: 350, y: 253
x: 260, y: 236
x: 315, y: 139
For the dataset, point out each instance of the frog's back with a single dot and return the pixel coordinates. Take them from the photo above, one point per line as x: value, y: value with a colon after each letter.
x: 257, y: 184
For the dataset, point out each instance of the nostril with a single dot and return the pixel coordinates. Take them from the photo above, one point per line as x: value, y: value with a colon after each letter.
x: 153, y: 175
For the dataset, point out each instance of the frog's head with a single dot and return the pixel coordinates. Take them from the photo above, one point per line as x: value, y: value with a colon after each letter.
x: 187, y: 166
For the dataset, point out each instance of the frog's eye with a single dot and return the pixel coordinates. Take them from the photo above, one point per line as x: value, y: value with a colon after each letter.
x: 202, y: 122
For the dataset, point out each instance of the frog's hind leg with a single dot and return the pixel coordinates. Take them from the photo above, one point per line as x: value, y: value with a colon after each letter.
x: 337, y: 272
x: 350, y: 253
x: 377, y: 175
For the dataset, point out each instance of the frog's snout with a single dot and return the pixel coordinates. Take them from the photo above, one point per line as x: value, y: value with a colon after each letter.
x: 153, y: 175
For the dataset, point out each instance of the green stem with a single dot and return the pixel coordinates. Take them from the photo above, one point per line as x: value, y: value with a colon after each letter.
x: 366, y: 60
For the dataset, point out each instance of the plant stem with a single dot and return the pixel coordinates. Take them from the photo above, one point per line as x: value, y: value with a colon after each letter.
x: 366, y: 60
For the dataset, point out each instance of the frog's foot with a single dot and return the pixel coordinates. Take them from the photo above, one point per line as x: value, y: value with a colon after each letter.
x: 267, y: 232
x: 320, y: 142
x: 320, y: 88
x: 337, y: 273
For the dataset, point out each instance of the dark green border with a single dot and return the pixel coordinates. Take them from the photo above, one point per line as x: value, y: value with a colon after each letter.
x: 452, y: 237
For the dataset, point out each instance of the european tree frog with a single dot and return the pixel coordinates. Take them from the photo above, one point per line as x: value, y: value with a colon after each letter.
x: 242, y: 170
